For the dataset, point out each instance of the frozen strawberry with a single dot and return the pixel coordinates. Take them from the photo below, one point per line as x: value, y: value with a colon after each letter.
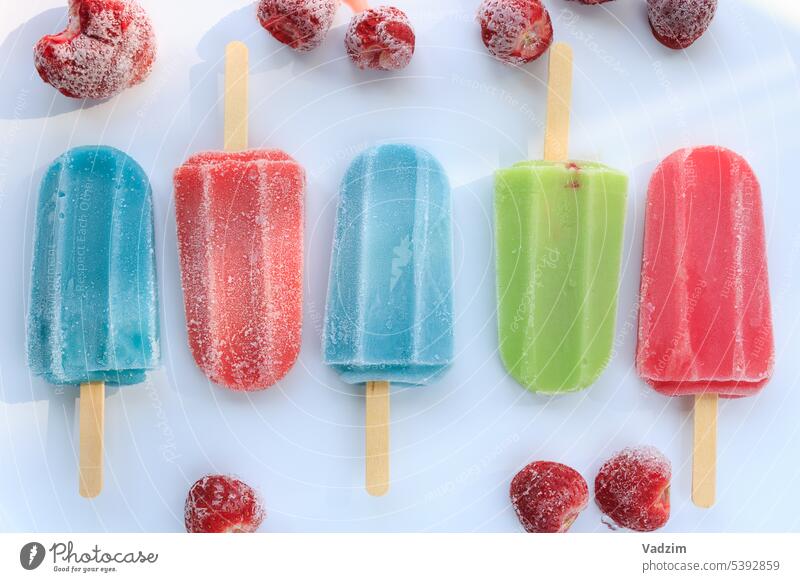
x: 548, y: 496
x: 302, y: 24
x: 632, y: 488
x: 515, y: 31
x: 593, y: 1
x: 222, y: 504
x: 678, y: 23
x: 380, y: 38
x: 108, y: 46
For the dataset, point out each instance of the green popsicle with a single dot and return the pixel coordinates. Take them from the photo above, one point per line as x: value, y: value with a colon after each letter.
x: 559, y: 228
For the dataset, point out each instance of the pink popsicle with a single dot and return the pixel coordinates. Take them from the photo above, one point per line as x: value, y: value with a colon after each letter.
x: 705, y: 324
x: 240, y: 233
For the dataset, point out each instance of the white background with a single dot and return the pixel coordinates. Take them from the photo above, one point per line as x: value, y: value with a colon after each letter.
x: 456, y: 444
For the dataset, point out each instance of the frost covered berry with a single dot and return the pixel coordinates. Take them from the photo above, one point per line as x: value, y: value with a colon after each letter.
x: 222, y: 504
x: 380, y: 38
x: 301, y: 24
x: 548, y: 497
x: 108, y: 46
x: 632, y: 488
x: 678, y: 23
x: 515, y: 31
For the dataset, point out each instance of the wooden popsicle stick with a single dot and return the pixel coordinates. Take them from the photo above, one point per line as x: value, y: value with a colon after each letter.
x: 357, y: 5
x: 704, y: 467
x: 236, y: 96
x: 377, y: 438
x: 559, y: 100
x: 92, y: 422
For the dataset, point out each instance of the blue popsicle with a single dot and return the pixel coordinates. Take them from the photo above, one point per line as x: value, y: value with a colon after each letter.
x: 94, y: 306
x: 389, y: 315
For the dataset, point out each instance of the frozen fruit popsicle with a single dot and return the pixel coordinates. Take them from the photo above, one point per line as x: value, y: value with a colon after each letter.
x: 240, y: 234
x: 705, y: 325
x: 94, y: 305
x: 389, y: 316
x: 559, y: 231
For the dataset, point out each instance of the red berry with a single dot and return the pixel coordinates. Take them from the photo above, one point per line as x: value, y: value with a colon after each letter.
x: 632, y: 488
x: 380, y: 38
x: 515, y: 31
x: 678, y: 23
x: 221, y: 504
x: 548, y: 496
x: 108, y: 46
x: 302, y: 24
x: 593, y: 1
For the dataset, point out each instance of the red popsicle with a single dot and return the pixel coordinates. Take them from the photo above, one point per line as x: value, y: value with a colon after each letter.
x: 240, y: 237
x: 705, y: 324
x: 240, y: 226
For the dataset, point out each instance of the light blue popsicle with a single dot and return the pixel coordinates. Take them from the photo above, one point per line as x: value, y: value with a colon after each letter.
x: 389, y: 314
x: 94, y: 303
